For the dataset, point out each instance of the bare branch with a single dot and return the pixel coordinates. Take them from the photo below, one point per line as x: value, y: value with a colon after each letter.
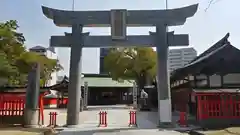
x: 211, y: 2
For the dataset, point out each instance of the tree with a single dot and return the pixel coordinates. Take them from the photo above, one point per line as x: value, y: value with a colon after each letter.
x: 16, y: 61
x: 5, y: 69
x: 137, y: 63
x: 11, y: 46
x: 47, y: 66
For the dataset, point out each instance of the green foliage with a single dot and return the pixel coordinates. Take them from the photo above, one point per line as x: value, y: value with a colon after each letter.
x: 5, y: 69
x: 136, y: 63
x: 16, y: 61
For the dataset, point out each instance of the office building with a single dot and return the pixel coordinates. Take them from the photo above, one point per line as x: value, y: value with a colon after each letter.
x: 103, y: 53
x: 177, y: 58
x: 51, y: 54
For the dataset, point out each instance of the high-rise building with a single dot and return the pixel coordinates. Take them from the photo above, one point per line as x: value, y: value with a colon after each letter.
x: 51, y: 54
x: 177, y: 58
x: 103, y: 53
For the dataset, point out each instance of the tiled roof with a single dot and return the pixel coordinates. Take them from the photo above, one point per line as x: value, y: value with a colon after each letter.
x: 42, y: 48
x: 213, y: 52
x: 37, y: 48
x: 105, y: 82
x: 94, y: 82
x: 217, y: 45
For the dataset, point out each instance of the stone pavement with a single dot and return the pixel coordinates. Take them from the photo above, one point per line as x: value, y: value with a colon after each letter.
x: 118, y: 118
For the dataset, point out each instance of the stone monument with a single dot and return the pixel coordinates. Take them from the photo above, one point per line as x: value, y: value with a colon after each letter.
x: 119, y: 20
x: 31, y: 110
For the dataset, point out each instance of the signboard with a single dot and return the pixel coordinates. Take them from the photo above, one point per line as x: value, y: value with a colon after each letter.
x: 118, y: 24
x: 135, y: 95
x: 85, y: 95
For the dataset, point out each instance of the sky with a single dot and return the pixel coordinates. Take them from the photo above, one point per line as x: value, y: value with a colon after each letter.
x: 204, y: 28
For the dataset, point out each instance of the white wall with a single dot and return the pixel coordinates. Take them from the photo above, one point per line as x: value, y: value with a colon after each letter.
x: 51, y: 55
x: 215, y: 80
x: 201, y: 83
x: 91, y: 60
x: 54, y: 75
x: 232, y: 78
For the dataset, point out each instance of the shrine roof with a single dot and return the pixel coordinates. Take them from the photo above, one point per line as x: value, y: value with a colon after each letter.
x: 94, y: 80
x: 213, y: 60
x: 38, y: 47
x: 217, y: 45
x: 97, y: 75
x: 106, y: 82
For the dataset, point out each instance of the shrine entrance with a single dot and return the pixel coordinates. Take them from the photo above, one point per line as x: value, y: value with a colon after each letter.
x: 104, y: 96
x: 119, y: 20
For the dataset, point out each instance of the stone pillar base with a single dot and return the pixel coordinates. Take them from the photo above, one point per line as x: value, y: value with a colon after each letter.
x: 31, y: 118
x: 85, y: 108
x: 135, y: 106
x: 72, y: 126
x: 166, y: 125
x: 165, y: 111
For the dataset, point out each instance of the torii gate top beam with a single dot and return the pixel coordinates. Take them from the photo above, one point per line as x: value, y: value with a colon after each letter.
x: 170, y: 17
x: 106, y: 41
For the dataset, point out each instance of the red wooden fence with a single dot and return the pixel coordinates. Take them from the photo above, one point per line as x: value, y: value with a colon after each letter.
x: 218, y: 105
x: 11, y: 109
x: 12, y: 106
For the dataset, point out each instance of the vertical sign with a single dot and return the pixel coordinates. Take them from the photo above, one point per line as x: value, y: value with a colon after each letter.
x: 85, y: 95
x: 118, y: 24
x: 134, y: 95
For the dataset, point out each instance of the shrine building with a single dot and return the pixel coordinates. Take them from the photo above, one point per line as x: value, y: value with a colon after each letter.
x: 209, y: 86
x: 102, y: 90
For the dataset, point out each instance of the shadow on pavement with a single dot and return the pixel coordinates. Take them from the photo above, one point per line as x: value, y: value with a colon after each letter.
x: 147, y: 120
x: 147, y: 116
x: 92, y: 132
x: 109, y: 107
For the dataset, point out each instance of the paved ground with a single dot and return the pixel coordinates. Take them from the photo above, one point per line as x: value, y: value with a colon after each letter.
x: 25, y: 131
x: 118, y: 118
x: 226, y: 131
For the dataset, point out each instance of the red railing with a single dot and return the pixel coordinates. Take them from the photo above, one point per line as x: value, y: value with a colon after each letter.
x: 218, y: 105
x: 102, y: 119
x: 11, y: 109
x: 12, y: 106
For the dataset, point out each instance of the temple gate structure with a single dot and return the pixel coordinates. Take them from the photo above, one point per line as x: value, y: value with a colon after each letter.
x: 119, y: 20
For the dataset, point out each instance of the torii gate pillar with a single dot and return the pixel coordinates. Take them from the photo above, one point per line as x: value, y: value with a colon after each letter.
x: 74, y: 87
x: 163, y: 82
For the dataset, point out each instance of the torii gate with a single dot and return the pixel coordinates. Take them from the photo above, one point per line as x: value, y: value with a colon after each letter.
x: 119, y: 20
